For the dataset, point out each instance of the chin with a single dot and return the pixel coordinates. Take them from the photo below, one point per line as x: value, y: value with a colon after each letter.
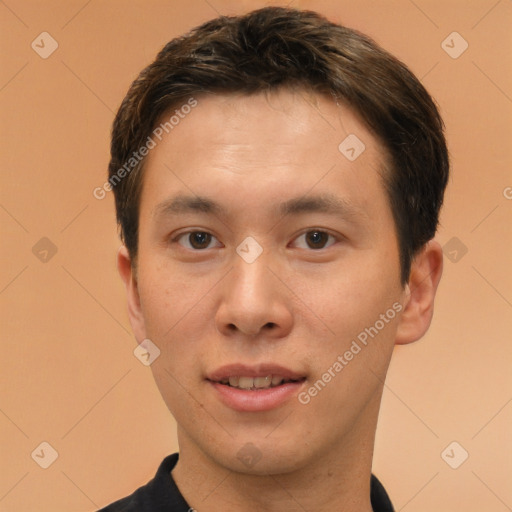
x: 259, y: 457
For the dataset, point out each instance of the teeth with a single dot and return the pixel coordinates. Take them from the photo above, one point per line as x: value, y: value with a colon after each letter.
x: 263, y: 382
x: 254, y: 382
x: 245, y: 382
x: 276, y: 380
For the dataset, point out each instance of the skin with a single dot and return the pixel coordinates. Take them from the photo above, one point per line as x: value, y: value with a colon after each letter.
x: 300, y: 304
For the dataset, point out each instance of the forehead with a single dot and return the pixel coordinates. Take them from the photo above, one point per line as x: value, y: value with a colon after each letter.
x: 276, y: 121
x: 266, y: 148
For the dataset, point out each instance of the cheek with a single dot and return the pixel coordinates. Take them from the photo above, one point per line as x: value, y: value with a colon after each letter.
x: 357, y: 307
x: 348, y: 301
x: 167, y: 297
x: 175, y: 318
x: 177, y: 311
x: 350, y: 366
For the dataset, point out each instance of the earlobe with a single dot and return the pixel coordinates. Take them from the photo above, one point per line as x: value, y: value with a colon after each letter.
x: 127, y: 273
x: 419, y: 293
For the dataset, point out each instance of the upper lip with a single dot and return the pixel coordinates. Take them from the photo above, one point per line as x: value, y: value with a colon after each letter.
x: 260, y: 370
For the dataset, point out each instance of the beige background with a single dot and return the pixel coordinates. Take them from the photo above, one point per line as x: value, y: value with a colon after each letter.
x: 69, y: 376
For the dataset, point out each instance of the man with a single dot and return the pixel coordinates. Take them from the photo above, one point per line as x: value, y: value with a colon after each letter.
x: 278, y: 180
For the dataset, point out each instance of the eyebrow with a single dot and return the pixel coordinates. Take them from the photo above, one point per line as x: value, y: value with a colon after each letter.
x: 323, y: 203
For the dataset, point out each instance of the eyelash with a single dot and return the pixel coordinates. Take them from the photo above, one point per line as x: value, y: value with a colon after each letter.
x: 314, y: 230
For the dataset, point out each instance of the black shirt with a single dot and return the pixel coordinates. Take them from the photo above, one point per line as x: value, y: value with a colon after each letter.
x: 162, y: 495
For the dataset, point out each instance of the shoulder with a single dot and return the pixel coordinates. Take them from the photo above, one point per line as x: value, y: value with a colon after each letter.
x: 159, y: 494
x: 379, y: 497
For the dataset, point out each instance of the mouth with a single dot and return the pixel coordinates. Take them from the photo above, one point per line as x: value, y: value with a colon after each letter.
x: 260, y: 388
x: 256, y: 383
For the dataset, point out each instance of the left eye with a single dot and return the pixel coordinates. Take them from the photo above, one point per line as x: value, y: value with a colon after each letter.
x: 316, y: 239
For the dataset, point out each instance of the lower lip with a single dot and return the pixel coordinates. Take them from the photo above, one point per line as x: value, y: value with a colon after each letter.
x: 256, y: 400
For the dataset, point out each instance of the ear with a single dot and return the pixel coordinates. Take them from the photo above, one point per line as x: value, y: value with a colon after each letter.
x: 419, y: 293
x: 128, y: 275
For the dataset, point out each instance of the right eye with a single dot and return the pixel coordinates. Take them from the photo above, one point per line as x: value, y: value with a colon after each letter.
x: 194, y: 240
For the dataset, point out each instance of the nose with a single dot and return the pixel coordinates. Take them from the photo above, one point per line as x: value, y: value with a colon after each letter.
x: 254, y: 302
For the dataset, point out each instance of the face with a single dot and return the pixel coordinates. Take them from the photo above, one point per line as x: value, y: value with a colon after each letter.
x: 267, y: 256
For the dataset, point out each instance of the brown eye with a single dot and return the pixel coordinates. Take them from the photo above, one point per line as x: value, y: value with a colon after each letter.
x: 195, y: 240
x: 316, y: 239
x: 199, y: 239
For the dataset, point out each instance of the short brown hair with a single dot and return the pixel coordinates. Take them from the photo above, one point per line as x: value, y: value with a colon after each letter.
x: 275, y: 47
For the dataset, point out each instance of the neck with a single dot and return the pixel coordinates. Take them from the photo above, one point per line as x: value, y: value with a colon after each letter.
x: 337, y: 479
